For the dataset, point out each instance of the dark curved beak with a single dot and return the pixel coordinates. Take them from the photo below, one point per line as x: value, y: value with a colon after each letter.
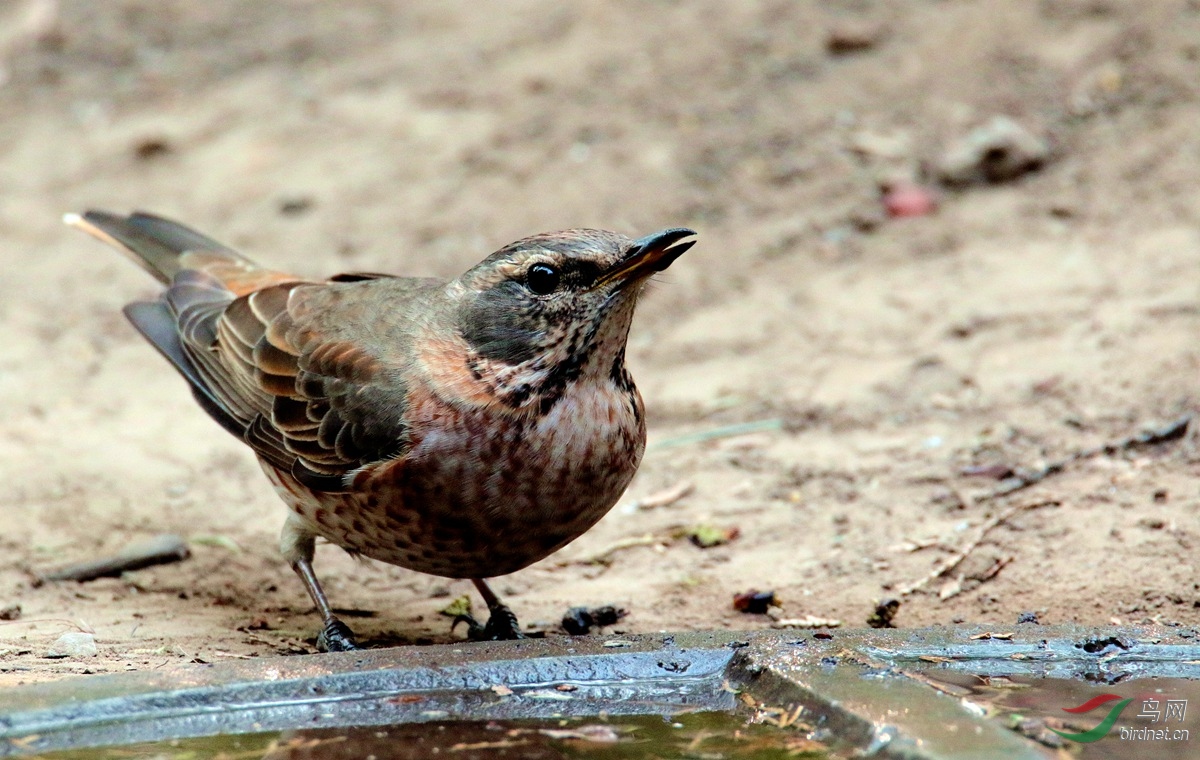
x: 648, y: 255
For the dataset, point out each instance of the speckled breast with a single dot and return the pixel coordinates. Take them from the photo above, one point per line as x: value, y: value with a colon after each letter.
x: 479, y: 496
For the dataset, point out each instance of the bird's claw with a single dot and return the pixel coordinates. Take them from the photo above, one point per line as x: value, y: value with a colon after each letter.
x: 336, y: 636
x: 502, y: 625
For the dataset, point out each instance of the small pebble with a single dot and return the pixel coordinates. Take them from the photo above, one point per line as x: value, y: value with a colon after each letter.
x: 73, y: 644
x: 998, y: 151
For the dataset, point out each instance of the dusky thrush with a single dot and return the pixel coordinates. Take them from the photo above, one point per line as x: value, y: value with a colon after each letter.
x: 463, y: 428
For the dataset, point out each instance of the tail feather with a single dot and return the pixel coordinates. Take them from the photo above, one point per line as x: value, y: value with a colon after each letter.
x: 155, y: 321
x: 152, y: 242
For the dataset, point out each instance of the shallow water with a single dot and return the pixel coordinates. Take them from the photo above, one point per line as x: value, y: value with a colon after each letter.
x: 696, y: 736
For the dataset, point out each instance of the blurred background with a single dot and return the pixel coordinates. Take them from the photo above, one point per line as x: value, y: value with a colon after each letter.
x: 940, y: 242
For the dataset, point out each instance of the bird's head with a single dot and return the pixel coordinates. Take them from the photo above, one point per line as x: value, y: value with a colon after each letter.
x: 552, y: 308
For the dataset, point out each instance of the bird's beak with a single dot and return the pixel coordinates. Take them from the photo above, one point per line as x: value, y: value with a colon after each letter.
x: 648, y: 255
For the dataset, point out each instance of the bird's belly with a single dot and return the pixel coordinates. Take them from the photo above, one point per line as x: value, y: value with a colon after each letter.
x: 479, y: 496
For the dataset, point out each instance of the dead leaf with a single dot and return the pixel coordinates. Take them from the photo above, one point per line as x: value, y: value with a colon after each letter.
x: 707, y: 536
x: 460, y: 606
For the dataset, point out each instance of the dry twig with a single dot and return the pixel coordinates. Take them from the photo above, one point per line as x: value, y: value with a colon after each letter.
x: 956, y: 559
x: 605, y: 557
x: 1171, y: 432
x: 663, y: 498
x: 159, y: 550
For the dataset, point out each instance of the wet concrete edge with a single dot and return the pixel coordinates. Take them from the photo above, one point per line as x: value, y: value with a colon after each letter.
x: 864, y: 690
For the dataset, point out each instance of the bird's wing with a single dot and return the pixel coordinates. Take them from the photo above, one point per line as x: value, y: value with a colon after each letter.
x: 324, y: 402
x: 274, y: 358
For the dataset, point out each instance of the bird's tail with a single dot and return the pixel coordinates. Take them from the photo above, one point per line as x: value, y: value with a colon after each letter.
x: 152, y: 242
x: 165, y: 248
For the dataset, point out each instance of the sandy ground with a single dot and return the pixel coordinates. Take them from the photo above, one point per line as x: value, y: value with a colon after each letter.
x: 886, y: 358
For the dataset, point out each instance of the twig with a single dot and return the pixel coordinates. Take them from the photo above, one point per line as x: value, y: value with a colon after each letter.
x: 1171, y: 432
x: 605, y: 557
x: 159, y: 550
x: 956, y: 559
x: 996, y: 567
x: 663, y: 498
x: 808, y: 621
x: 728, y: 431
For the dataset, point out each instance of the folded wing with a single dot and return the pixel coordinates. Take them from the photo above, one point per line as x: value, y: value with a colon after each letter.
x: 263, y: 351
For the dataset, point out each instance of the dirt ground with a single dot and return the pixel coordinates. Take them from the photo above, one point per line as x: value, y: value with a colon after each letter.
x: 896, y: 367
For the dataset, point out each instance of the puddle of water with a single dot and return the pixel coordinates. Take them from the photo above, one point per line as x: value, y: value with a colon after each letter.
x: 1148, y: 717
x: 695, y: 736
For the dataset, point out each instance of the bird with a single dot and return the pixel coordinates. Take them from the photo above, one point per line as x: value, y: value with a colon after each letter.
x: 464, y: 428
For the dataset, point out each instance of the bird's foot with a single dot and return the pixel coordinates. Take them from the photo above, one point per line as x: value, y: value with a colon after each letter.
x: 502, y: 625
x: 336, y: 636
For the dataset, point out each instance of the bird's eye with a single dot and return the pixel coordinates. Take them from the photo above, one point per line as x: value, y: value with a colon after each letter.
x: 542, y: 279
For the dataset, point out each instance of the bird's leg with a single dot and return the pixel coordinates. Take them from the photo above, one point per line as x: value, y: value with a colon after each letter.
x: 298, y: 546
x: 502, y: 624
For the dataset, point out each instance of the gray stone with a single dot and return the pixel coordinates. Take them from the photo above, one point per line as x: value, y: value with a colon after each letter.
x: 999, y: 151
x: 73, y: 644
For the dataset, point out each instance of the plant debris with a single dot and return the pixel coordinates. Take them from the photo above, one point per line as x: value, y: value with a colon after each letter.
x: 956, y: 559
x: 664, y: 498
x: 460, y: 607
x: 989, y: 635
x: 1152, y: 437
x: 160, y: 550
x: 605, y: 556
x: 996, y: 471
x: 754, y: 602
x: 884, y: 613
x: 808, y: 621
x: 707, y: 536
x: 726, y: 431
x: 598, y: 734
x: 579, y: 621
x: 1037, y: 730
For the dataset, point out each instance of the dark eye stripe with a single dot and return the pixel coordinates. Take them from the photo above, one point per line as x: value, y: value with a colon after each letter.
x: 574, y: 274
x: 580, y: 274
